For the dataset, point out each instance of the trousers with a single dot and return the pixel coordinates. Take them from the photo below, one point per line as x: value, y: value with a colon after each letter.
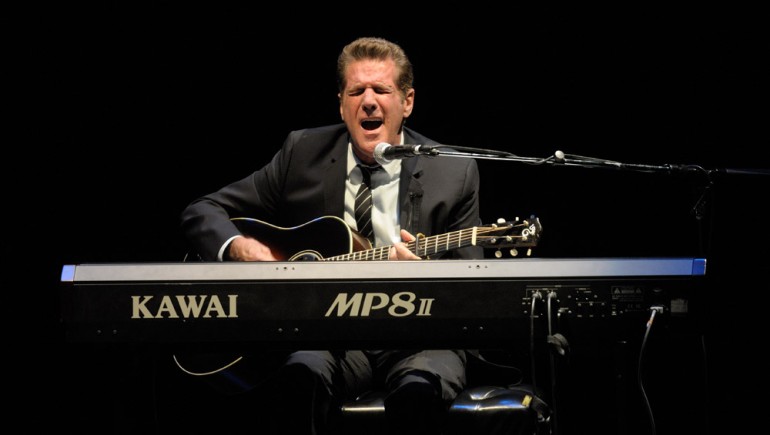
x: 305, y: 394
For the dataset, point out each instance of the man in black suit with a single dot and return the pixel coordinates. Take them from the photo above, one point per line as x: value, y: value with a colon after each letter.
x: 317, y: 173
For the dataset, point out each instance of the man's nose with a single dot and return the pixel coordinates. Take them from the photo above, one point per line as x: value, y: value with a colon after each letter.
x: 369, y: 102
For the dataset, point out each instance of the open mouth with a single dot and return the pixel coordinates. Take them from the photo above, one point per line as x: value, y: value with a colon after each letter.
x: 371, y: 124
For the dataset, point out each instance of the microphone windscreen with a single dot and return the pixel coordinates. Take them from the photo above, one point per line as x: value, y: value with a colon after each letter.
x: 379, y: 153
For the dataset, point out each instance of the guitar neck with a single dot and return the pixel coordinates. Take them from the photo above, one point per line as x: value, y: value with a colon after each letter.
x: 422, y: 246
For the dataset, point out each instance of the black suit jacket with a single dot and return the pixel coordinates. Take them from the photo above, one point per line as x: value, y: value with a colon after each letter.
x: 306, y: 179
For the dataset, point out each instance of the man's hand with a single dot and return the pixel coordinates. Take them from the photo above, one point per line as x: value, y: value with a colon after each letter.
x: 399, y: 251
x: 249, y: 249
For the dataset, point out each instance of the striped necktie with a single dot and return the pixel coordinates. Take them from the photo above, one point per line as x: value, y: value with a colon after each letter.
x: 363, y: 204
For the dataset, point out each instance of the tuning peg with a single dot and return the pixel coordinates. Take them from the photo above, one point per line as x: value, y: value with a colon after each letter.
x: 503, y: 221
x: 514, y: 252
x: 498, y: 254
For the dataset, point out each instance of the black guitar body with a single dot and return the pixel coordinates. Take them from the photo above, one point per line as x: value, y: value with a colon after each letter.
x: 323, y: 237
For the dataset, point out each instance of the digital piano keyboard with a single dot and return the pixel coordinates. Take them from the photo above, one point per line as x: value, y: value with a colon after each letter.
x: 362, y: 303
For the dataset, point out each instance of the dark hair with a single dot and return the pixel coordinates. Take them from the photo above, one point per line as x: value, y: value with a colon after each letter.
x: 376, y: 48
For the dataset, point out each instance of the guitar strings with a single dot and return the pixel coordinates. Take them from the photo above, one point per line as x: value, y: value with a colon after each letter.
x: 454, y: 240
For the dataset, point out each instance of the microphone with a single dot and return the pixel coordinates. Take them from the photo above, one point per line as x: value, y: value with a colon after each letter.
x: 385, y: 153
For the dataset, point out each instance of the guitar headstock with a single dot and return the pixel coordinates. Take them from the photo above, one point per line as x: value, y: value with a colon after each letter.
x: 510, y: 234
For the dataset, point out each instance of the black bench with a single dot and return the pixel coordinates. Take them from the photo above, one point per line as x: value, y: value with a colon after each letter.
x: 479, y: 410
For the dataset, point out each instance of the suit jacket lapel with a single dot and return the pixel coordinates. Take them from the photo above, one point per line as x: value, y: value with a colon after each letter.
x: 410, y: 189
x: 334, y: 176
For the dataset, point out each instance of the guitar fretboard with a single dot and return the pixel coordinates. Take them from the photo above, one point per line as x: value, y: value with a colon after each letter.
x: 422, y: 246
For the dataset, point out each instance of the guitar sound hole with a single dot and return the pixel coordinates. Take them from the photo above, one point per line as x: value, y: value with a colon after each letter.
x: 306, y: 256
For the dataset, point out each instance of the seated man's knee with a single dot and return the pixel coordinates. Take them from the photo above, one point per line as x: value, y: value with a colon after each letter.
x: 415, y: 406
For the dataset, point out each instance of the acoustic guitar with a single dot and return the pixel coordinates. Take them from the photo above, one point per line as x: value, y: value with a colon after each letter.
x: 329, y: 238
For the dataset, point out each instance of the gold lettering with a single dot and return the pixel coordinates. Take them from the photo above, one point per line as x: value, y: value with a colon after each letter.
x: 402, y: 304
x: 167, y: 306
x: 369, y: 305
x: 342, y: 304
x: 215, y: 306
x: 140, y: 307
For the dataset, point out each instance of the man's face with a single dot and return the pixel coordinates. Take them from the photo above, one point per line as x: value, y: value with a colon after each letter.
x: 372, y: 105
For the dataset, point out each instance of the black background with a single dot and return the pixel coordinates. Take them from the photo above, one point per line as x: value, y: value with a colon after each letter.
x: 128, y: 111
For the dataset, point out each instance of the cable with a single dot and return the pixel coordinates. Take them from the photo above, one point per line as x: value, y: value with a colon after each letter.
x: 551, y: 295
x: 533, y: 361
x: 653, y: 311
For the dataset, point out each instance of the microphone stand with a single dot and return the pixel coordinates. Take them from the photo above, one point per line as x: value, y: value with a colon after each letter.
x: 561, y: 159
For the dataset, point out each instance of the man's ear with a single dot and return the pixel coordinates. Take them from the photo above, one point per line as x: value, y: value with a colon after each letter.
x: 408, y: 103
x: 342, y: 115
